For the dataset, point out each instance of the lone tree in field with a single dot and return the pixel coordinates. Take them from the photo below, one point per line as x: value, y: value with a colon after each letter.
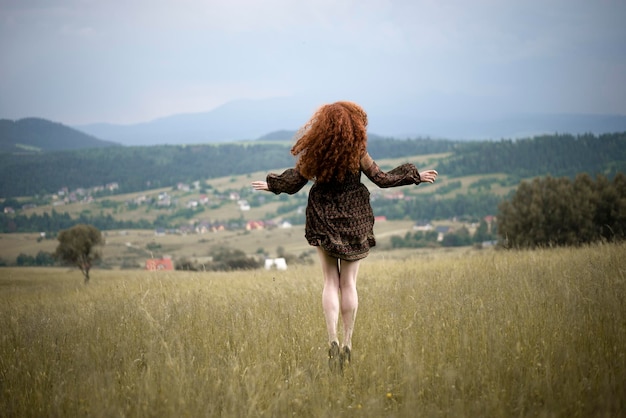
x: 78, y: 246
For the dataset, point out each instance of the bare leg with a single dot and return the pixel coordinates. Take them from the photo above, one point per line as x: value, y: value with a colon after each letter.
x: 349, y: 298
x: 330, y: 294
x: 339, y: 295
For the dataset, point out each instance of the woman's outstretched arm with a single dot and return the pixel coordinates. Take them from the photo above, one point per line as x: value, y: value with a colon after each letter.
x: 402, y: 175
x: 290, y: 181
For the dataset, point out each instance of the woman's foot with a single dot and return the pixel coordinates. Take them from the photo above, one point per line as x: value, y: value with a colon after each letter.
x: 334, y: 360
x: 345, y: 357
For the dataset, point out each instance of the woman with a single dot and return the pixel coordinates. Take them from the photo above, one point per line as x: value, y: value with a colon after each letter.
x: 331, y: 150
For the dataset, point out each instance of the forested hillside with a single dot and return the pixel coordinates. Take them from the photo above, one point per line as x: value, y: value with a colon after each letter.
x: 37, y: 135
x: 139, y: 168
x: 556, y: 155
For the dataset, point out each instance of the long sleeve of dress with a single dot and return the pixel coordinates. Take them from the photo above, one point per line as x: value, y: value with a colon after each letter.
x: 400, y: 176
x: 290, y: 181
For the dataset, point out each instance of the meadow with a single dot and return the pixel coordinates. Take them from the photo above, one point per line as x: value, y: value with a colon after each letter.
x: 462, y: 334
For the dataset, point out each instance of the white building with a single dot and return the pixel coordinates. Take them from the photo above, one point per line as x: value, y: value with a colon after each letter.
x: 278, y: 263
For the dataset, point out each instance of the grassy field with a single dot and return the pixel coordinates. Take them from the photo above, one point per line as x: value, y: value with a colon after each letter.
x: 480, y: 334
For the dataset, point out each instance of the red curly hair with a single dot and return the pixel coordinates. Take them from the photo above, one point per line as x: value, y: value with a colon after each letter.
x: 331, y: 144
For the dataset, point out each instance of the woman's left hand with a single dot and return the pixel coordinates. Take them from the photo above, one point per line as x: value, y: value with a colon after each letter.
x: 260, y: 185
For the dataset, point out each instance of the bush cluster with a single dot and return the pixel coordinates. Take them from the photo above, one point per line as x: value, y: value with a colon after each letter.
x: 560, y: 212
x: 41, y: 259
x: 223, y: 259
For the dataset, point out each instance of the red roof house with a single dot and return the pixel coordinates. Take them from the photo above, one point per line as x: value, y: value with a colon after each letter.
x: 157, y: 264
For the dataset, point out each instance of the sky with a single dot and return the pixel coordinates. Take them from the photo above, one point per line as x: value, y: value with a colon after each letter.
x: 124, y: 62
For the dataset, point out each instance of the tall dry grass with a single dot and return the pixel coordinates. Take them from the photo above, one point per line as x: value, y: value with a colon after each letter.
x: 497, y: 334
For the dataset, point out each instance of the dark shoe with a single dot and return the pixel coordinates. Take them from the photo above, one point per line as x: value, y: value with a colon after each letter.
x: 334, y: 357
x: 345, y: 357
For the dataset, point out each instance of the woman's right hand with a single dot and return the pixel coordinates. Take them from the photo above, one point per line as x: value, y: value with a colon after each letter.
x: 428, y: 176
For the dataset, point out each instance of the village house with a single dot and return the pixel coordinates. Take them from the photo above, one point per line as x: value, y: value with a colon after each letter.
x: 158, y: 264
x: 243, y: 205
x: 277, y: 263
x: 423, y: 226
x: 442, y: 231
x: 270, y: 224
x: 205, y: 227
x: 164, y: 199
x: 186, y: 230
x: 252, y: 225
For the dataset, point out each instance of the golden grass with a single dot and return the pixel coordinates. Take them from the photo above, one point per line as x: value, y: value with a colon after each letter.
x: 494, y: 334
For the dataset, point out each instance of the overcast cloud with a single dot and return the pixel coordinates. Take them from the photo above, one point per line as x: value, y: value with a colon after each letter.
x: 86, y: 61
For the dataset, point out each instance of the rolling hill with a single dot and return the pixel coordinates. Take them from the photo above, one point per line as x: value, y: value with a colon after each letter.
x: 40, y: 135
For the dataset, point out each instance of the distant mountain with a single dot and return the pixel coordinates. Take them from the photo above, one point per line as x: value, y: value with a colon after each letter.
x: 282, y: 135
x: 285, y: 135
x: 233, y: 121
x: 253, y: 119
x: 529, y: 125
x: 36, y: 135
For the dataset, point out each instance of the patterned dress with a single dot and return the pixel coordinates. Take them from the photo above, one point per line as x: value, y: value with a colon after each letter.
x: 339, y: 216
